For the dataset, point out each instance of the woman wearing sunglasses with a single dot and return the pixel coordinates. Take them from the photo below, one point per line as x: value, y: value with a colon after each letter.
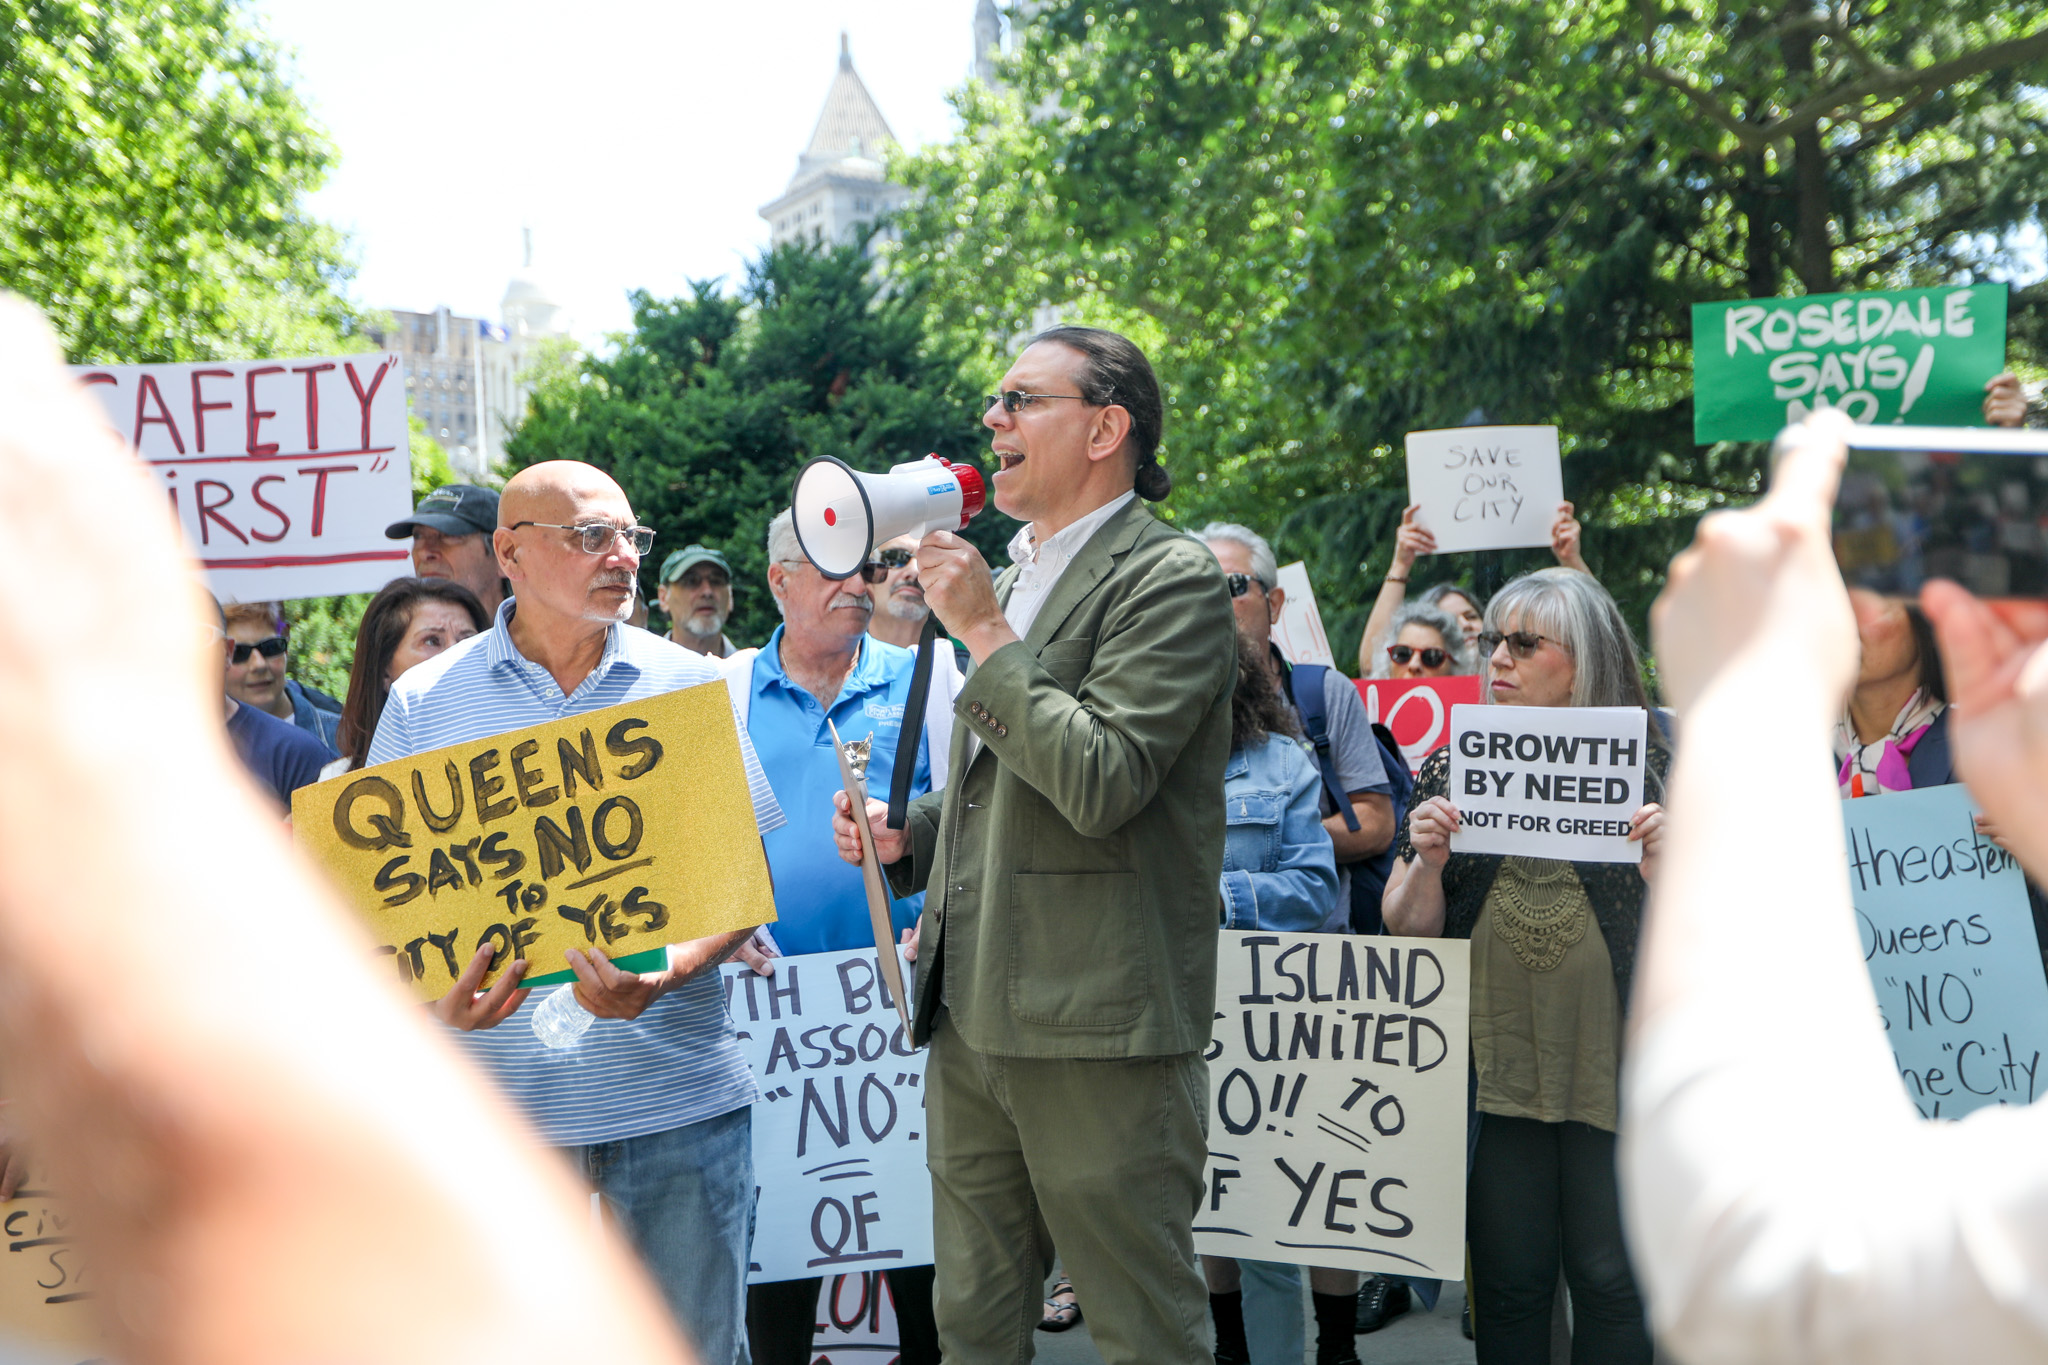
x: 407, y: 623
x: 1553, y: 946
x: 1427, y: 643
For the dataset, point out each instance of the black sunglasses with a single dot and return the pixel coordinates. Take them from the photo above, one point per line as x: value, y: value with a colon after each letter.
x: 1012, y: 399
x: 1522, y: 644
x: 1241, y: 583
x: 1432, y: 657
x: 884, y: 564
x: 269, y: 649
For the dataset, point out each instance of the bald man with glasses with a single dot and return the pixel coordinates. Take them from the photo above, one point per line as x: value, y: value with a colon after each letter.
x: 654, y: 1107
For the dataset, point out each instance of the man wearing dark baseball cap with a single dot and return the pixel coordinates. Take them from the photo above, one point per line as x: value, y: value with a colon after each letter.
x: 451, y: 533
x: 696, y: 592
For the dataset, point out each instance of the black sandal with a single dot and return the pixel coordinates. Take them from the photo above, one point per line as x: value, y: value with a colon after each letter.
x: 1060, y: 1317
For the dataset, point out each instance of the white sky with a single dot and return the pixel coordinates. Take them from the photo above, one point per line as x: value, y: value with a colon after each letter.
x: 636, y: 139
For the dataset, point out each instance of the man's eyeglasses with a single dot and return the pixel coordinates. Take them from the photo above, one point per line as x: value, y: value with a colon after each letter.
x: 872, y: 572
x: 269, y: 649
x: 1522, y: 644
x: 598, y: 536
x: 1241, y: 583
x: 1432, y: 657
x: 892, y: 560
x: 1013, y: 399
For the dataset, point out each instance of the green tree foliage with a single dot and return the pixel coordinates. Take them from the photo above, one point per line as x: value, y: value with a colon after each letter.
x: 708, y: 406
x: 153, y: 158
x: 1334, y: 224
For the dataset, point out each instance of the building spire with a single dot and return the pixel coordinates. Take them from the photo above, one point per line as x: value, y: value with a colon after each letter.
x: 527, y: 234
x: 988, y: 36
x: 845, y: 52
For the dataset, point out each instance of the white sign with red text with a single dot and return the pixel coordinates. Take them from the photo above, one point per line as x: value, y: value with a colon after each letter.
x: 1299, y: 631
x: 284, y: 473
x: 1417, y: 711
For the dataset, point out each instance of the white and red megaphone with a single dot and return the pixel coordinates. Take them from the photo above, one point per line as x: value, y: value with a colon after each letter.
x: 841, y: 515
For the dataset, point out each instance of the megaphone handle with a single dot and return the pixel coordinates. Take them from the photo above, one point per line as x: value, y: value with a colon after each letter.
x: 901, y: 770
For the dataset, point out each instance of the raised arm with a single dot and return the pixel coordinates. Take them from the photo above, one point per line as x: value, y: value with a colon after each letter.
x: 1769, y: 1209
x: 269, y: 1152
x: 1409, y: 541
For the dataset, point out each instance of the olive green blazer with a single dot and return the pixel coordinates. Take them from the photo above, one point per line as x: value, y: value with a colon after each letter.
x: 1072, y: 866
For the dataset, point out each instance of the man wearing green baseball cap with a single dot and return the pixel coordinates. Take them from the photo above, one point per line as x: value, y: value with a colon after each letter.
x: 696, y: 592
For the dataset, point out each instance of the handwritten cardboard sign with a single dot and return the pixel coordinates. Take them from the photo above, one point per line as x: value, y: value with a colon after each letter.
x: 45, y: 1284
x: 284, y: 473
x: 1417, y: 711
x: 625, y: 829
x: 1942, y: 914
x: 856, y: 1317
x: 1299, y: 631
x: 839, y: 1130
x: 1485, y: 488
x: 1919, y: 355
x: 1337, y: 1103
x: 1548, y: 781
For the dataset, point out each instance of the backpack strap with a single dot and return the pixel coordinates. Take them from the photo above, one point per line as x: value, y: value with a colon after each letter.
x: 1305, y: 682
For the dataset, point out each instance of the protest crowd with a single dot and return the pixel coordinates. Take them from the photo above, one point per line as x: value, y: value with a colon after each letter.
x: 1104, y: 761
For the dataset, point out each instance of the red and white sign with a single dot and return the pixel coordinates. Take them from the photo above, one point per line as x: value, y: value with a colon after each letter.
x: 284, y: 473
x: 1417, y: 710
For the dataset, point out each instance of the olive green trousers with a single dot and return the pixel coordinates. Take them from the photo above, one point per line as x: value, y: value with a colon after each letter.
x: 1101, y: 1160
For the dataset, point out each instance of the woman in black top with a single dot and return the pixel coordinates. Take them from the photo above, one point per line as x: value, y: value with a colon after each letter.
x: 1548, y: 996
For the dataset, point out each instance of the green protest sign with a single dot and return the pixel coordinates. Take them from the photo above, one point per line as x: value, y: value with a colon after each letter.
x: 1918, y: 355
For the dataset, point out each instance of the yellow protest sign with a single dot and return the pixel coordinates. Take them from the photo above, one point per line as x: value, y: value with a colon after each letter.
x: 43, y: 1284
x: 625, y: 829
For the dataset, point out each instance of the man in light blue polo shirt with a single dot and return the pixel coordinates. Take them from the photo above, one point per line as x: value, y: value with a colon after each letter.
x: 654, y: 1104
x: 820, y: 665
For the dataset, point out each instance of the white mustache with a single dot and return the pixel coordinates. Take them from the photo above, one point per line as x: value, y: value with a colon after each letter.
x: 847, y: 599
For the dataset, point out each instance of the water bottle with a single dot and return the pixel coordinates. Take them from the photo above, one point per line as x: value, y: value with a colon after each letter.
x: 561, y: 1021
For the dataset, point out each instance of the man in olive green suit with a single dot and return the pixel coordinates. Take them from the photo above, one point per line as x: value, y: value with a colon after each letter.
x: 1068, y: 945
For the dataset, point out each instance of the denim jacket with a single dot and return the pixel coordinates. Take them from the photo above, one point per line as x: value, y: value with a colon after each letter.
x: 1279, y: 870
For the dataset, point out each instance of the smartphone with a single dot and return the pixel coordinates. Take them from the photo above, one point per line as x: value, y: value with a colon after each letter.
x: 1969, y: 504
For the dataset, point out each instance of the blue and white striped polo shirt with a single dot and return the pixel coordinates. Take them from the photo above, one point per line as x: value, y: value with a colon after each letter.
x: 677, y: 1063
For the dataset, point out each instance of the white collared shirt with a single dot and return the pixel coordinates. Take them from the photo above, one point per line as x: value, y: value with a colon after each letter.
x: 1040, y: 566
x: 1038, y: 572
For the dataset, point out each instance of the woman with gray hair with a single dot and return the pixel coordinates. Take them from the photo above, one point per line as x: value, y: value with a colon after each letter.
x: 1427, y: 643
x: 1553, y: 947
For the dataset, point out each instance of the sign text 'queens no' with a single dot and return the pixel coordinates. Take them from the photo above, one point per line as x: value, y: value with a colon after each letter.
x: 283, y: 473
x: 625, y: 830
x: 1943, y: 920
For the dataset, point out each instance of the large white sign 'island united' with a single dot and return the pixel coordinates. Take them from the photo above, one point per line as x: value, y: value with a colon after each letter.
x: 283, y: 473
x: 1337, y: 1079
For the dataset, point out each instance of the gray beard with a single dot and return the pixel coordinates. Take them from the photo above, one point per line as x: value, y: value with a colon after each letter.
x: 705, y: 625
x: 903, y: 609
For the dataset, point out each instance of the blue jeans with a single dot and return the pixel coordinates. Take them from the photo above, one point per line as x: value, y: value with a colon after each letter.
x: 686, y: 1198
x: 1273, y: 1325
